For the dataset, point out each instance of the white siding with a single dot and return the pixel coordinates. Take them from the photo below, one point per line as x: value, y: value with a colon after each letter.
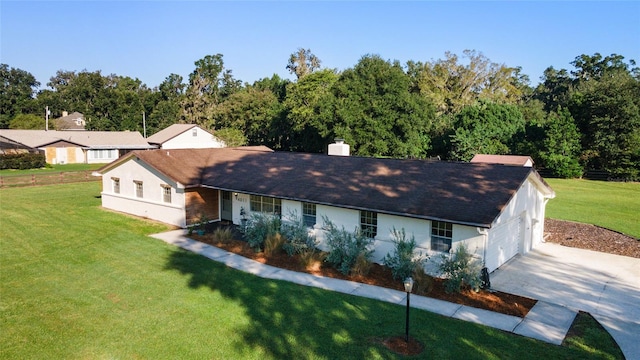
x: 151, y: 205
x: 186, y: 140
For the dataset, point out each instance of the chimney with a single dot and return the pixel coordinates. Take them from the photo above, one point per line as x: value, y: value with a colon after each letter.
x: 339, y: 148
x: 64, y: 113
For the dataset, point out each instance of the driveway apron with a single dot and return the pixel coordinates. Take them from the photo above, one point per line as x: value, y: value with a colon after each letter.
x: 605, y: 285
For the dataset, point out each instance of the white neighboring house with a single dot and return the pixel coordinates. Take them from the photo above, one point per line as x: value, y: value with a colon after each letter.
x: 77, y: 146
x: 185, y: 136
x: 496, y: 210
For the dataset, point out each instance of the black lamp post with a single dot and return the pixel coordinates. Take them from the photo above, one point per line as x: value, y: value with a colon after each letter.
x: 408, y: 286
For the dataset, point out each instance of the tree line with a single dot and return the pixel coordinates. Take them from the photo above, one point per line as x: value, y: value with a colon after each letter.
x: 576, y: 120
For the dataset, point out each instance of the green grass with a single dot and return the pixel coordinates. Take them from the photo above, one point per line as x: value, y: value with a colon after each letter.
x: 79, y: 282
x: 52, y: 168
x: 612, y: 205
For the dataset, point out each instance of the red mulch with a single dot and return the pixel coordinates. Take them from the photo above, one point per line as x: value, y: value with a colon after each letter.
x: 380, y: 275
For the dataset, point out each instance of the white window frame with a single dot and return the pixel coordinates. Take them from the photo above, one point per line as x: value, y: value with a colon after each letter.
x: 115, y: 185
x: 441, y: 236
x: 265, y: 204
x: 139, y: 188
x: 309, y: 214
x: 369, y: 223
x: 166, y: 193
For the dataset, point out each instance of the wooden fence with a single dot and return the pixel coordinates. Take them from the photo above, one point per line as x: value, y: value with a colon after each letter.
x: 47, y: 178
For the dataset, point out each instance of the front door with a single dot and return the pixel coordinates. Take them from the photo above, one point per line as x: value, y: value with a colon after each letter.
x: 227, y: 210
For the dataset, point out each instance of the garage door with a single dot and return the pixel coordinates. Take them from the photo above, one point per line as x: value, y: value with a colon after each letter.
x: 503, y: 243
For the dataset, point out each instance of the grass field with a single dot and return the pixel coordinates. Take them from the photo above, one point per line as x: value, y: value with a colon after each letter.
x: 79, y: 282
x: 612, y: 205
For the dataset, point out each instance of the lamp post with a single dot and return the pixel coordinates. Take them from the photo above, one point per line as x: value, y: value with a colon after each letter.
x: 408, y: 286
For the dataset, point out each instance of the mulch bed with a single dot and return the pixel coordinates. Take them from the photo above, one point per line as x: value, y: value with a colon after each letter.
x: 590, y: 237
x: 380, y: 275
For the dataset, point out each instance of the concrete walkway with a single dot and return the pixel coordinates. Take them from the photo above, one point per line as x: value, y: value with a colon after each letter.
x: 605, y: 285
x: 546, y: 321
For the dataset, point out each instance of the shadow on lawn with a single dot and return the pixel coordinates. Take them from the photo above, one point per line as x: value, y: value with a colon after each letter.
x: 290, y: 321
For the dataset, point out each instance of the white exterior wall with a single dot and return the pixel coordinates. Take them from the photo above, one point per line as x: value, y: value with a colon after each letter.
x: 186, y: 140
x: 151, y: 205
x: 528, y: 208
x: 528, y: 205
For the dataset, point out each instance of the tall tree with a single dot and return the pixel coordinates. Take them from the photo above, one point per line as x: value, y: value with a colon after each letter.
x: 561, y: 145
x: 16, y: 93
x: 485, y: 128
x: 302, y: 63
x: 450, y: 84
x: 309, y: 104
x: 209, y: 84
x: 254, y: 112
x: 376, y: 112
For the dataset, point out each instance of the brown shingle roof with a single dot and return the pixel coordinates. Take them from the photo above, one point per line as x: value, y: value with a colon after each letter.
x: 466, y: 193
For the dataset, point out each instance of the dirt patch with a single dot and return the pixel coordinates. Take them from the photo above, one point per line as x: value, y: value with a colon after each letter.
x: 590, y: 237
x: 379, y: 275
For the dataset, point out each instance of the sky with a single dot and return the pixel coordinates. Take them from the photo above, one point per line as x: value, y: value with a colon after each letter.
x: 150, y: 40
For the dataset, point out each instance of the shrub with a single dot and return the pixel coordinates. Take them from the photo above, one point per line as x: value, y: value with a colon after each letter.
x: 345, y: 247
x: 297, y: 238
x: 222, y: 235
x: 461, y: 270
x: 258, y: 227
x: 361, y: 266
x: 22, y: 161
x: 312, y: 259
x: 273, y: 244
x: 402, y: 261
x: 422, y: 282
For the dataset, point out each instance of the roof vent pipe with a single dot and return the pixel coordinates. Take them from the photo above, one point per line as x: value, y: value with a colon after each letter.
x: 339, y: 148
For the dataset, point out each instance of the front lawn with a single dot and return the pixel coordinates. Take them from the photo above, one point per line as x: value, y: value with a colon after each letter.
x: 77, y: 281
x: 612, y: 205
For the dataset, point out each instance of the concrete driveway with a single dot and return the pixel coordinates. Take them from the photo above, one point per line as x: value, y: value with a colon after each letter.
x: 605, y: 285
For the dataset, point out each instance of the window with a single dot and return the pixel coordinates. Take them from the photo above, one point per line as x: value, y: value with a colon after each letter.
x: 138, y: 186
x: 309, y: 214
x: 441, y: 235
x: 166, y: 193
x: 194, y: 132
x: 265, y: 204
x: 102, y: 154
x: 115, y: 183
x: 369, y: 223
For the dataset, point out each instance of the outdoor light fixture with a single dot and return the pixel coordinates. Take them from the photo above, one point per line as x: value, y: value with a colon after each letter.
x: 236, y: 195
x: 408, y: 286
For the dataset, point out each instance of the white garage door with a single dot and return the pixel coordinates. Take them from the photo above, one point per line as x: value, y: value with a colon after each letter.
x: 503, y: 243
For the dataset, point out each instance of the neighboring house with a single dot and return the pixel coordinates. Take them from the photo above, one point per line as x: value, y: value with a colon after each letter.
x: 496, y: 210
x: 69, y: 147
x: 73, y: 121
x: 185, y: 136
x: 8, y: 146
x: 519, y: 160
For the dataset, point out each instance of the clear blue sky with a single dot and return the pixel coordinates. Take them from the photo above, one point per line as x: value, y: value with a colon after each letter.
x: 151, y: 39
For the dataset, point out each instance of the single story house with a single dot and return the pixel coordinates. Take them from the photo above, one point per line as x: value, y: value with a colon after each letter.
x: 185, y: 136
x: 496, y: 210
x: 8, y: 146
x: 68, y: 147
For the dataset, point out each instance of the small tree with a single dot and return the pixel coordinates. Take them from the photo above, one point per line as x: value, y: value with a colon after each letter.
x: 402, y: 261
x: 461, y: 271
x: 346, y: 247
